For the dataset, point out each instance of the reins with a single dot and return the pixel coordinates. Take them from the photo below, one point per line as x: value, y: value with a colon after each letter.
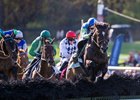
x: 5, y: 56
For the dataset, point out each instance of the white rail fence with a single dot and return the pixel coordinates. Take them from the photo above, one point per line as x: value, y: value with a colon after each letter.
x: 123, y: 68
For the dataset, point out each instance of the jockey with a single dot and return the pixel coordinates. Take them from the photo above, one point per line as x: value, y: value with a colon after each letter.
x: 9, y: 33
x: 86, y: 30
x: 12, y: 33
x: 22, y: 45
x: 68, y: 46
x: 35, y: 49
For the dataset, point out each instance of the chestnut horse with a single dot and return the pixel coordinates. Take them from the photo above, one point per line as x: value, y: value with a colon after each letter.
x: 43, y: 66
x: 8, y: 57
x: 23, y: 61
x: 22, y: 58
x: 94, y: 55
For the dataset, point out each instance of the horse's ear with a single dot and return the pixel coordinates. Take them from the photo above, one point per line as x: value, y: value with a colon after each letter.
x: 107, y: 25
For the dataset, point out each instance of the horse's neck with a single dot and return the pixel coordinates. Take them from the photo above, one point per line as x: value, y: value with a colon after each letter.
x: 92, y: 52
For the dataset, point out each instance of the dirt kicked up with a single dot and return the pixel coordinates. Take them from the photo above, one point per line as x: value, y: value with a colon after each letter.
x: 115, y: 85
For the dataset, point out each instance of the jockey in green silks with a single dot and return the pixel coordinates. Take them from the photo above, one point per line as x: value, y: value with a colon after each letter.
x: 35, y: 49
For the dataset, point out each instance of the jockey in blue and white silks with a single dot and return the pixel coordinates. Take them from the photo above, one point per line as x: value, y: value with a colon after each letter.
x: 21, y: 43
x: 68, y: 46
x: 86, y: 28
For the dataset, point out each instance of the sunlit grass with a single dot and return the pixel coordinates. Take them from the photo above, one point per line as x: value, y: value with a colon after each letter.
x: 125, y: 49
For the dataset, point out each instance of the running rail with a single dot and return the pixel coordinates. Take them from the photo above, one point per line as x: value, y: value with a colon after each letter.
x: 123, y: 68
x: 125, y: 16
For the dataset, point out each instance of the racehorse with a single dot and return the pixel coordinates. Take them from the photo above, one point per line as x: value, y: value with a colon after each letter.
x: 43, y: 66
x: 8, y: 57
x: 94, y: 55
x: 22, y: 58
x: 23, y: 61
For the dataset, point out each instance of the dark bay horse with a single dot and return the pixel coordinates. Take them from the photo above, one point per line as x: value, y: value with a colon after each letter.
x: 42, y: 67
x: 95, y: 58
x: 8, y: 57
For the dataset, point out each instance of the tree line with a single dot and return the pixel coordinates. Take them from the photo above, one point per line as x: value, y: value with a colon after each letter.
x: 61, y: 14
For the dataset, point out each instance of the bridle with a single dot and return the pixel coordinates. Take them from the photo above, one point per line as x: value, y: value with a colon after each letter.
x: 94, y: 38
x: 8, y: 39
x: 48, y: 55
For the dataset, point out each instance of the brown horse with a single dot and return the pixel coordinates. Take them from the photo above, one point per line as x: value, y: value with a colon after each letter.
x: 8, y: 57
x: 23, y: 61
x: 43, y: 66
x: 94, y: 55
x: 22, y: 58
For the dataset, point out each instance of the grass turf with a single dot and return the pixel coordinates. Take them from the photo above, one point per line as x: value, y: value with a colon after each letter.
x: 125, y: 49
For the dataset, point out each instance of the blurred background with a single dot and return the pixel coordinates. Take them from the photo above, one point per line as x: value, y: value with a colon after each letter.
x: 59, y: 16
x: 32, y: 16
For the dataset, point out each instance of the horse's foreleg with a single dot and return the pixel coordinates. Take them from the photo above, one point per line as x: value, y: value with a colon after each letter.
x: 104, y: 71
x: 69, y: 74
x: 14, y: 73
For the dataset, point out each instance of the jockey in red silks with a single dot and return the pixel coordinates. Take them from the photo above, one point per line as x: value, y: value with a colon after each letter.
x: 68, y: 46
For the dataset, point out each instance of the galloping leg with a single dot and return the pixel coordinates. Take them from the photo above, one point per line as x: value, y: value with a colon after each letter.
x: 14, y: 72
x: 104, y: 71
x: 69, y: 74
x: 93, y: 75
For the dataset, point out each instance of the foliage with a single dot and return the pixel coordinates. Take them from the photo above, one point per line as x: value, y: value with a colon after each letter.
x: 18, y: 13
x: 60, y: 14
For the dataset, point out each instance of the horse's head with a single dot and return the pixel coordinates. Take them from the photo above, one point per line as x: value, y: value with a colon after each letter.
x: 100, y: 36
x: 48, y: 53
x: 10, y: 47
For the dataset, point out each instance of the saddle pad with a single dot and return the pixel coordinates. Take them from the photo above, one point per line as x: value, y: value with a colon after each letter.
x: 74, y: 65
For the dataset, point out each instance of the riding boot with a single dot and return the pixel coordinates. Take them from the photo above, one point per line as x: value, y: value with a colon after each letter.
x: 81, y: 46
x: 30, y: 66
x: 63, y: 66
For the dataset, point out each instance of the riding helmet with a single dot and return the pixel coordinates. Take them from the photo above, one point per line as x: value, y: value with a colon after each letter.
x: 70, y: 34
x: 45, y: 34
x: 91, y: 21
x: 19, y: 34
